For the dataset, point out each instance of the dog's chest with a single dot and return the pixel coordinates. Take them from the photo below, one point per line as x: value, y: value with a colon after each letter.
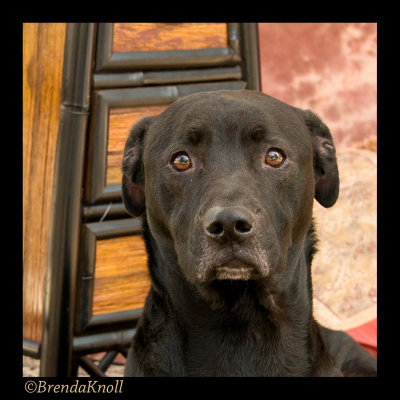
x: 249, y: 351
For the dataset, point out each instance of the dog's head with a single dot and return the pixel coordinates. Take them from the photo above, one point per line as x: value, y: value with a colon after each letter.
x: 227, y: 180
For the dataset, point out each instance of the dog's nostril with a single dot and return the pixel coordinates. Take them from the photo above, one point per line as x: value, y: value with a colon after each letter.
x: 215, y: 228
x: 243, y: 227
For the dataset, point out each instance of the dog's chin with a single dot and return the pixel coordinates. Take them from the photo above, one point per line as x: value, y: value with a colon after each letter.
x: 231, y: 282
x: 236, y: 273
x: 233, y: 270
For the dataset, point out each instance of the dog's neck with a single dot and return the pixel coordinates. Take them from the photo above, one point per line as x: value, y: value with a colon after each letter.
x: 281, y: 305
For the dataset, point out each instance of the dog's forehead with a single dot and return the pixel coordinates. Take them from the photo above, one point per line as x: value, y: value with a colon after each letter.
x: 231, y: 105
x: 232, y: 111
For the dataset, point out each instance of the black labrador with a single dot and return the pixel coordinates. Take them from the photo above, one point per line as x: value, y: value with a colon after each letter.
x: 226, y: 182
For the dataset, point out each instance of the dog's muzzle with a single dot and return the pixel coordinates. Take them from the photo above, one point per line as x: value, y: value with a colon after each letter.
x: 229, y: 249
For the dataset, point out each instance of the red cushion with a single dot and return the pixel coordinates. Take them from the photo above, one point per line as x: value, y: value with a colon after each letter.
x: 366, y: 335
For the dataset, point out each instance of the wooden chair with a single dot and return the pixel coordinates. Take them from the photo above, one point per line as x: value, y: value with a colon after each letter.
x: 84, y: 274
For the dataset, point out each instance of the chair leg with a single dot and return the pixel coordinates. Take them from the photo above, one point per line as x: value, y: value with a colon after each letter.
x: 90, y: 367
x: 107, y: 360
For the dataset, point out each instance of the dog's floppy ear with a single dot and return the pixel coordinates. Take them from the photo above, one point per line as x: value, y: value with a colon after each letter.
x: 325, y: 166
x: 133, y: 169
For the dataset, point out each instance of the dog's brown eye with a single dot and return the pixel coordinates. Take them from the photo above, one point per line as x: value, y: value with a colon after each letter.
x: 274, y: 158
x: 181, y: 161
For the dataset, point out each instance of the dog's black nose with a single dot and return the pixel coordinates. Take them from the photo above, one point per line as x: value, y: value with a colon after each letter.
x: 229, y: 223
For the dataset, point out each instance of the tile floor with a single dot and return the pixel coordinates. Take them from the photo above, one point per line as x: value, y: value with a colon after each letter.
x: 31, y: 368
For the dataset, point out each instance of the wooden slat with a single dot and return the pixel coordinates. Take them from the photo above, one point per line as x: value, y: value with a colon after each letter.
x: 168, y: 36
x: 120, y: 122
x: 121, y: 280
x: 43, y: 54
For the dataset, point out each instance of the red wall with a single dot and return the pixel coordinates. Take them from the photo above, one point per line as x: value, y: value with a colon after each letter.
x: 328, y: 67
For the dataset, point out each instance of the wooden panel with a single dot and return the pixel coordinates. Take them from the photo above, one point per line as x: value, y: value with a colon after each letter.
x: 121, y: 121
x: 121, y: 279
x: 43, y: 55
x: 168, y: 36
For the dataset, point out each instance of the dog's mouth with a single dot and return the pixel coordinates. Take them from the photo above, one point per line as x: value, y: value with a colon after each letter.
x: 227, y: 281
x: 239, y: 266
x: 235, y: 270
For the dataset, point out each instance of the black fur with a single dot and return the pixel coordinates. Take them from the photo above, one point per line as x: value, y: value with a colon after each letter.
x: 231, y: 240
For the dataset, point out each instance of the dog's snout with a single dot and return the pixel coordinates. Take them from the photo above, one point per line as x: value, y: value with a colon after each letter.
x: 229, y: 223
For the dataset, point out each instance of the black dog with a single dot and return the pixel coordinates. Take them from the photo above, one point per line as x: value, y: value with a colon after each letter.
x: 226, y: 181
